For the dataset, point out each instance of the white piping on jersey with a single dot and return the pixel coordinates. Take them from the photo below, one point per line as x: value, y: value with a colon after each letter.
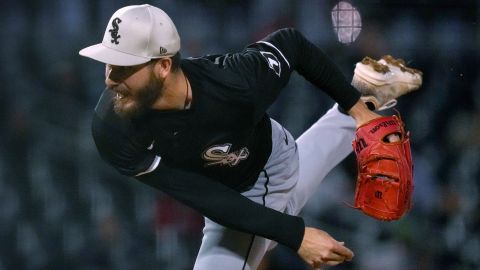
x: 152, y: 167
x: 271, y: 45
x: 151, y: 146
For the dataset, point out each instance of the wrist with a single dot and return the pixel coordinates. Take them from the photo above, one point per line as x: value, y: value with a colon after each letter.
x: 361, y: 113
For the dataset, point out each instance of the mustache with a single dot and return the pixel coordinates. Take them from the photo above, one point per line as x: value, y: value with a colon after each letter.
x: 122, y: 90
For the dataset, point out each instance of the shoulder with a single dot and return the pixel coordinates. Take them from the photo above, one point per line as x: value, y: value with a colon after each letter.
x: 119, y: 143
x: 217, y: 71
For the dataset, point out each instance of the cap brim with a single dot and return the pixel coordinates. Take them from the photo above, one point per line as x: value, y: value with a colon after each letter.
x: 110, y: 56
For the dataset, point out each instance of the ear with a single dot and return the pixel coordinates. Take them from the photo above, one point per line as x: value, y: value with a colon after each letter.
x: 162, y: 68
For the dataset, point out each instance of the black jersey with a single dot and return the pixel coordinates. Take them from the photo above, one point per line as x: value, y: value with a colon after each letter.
x: 207, y: 155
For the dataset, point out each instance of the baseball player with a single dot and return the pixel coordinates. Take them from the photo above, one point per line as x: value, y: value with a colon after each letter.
x: 197, y: 129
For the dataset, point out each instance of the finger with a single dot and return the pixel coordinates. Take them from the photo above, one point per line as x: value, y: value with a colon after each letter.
x: 346, y: 257
x: 334, y: 257
x: 342, y: 243
x: 344, y: 251
x: 328, y: 263
x: 333, y: 262
x: 317, y: 266
x: 393, y: 138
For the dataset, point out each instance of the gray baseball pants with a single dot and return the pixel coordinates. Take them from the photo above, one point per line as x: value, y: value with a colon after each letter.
x: 292, y: 174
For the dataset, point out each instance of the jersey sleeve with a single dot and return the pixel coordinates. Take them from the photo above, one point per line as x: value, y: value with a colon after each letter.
x: 268, y: 64
x: 226, y: 206
x: 117, y: 142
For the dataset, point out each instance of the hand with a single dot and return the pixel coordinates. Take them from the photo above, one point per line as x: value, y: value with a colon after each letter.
x: 361, y: 113
x: 318, y: 248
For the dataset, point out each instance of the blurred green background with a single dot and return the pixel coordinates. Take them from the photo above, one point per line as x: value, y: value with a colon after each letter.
x: 61, y: 207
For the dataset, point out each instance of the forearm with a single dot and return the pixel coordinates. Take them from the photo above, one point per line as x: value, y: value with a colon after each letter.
x: 226, y: 206
x: 315, y: 66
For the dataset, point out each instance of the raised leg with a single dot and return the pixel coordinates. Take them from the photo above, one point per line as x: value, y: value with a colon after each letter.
x: 322, y: 147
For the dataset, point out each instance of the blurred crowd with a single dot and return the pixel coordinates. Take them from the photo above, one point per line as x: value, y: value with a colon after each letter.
x: 61, y: 207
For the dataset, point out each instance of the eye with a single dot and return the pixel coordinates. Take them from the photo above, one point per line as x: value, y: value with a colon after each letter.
x: 118, y: 68
x: 121, y: 70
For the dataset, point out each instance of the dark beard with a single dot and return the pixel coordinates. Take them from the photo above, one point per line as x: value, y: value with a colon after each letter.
x: 143, y: 100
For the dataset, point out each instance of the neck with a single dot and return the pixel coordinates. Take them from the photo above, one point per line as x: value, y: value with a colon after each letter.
x: 176, y: 93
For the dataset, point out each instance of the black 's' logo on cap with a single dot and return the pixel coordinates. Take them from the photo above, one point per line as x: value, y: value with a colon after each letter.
x: 114, y: 30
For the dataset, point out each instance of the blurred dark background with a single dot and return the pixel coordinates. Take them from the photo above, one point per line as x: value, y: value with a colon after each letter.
x: 61, y: 207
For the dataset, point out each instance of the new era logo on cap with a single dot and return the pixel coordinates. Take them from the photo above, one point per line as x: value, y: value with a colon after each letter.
x: 135, y: 35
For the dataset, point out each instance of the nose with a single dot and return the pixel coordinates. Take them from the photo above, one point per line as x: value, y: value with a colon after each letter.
x: 109, y: 82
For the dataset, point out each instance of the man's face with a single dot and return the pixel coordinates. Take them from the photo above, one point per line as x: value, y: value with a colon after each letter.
x: 136, y: 88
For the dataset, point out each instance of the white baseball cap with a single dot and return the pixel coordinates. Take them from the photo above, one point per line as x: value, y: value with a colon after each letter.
x: 135, y: 35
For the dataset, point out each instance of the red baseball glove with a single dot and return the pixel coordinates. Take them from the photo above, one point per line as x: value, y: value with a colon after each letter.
x: 385, y: 170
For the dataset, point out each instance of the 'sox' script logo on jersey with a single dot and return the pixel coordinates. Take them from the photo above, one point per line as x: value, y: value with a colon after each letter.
x: 273, y: 62
x: 220, y: 155
x: 114, y: 30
